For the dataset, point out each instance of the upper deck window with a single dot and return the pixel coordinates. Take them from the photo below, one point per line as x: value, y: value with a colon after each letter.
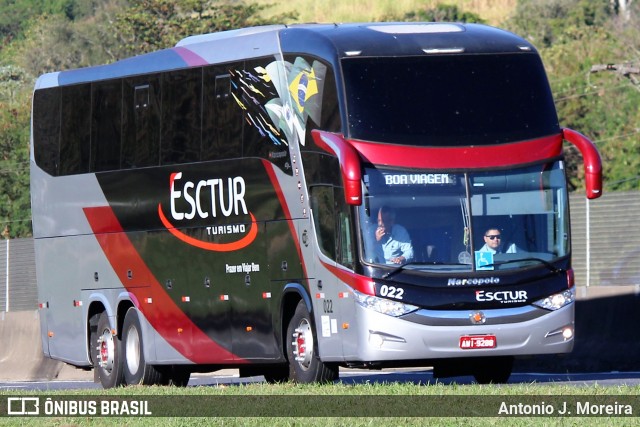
x: 448, y: 100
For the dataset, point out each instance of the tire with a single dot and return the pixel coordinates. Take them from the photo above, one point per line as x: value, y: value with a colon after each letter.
x: 493, y: 370
x: 276, y: 374
x: 175, y: 375
x: 136, y: 369
x: 107, y: 355
x: 304, y: 364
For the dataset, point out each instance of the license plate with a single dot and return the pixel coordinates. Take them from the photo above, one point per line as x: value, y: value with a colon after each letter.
x: 478, y: 341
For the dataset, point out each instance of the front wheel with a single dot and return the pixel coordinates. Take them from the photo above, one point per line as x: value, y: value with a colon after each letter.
x: 108, y: 354
x: 276, y: 374
x: 493, y: 370
x: 304, y: 364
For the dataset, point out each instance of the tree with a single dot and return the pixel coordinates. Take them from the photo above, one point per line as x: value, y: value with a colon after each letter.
x: 546, y: 22
x: 15, y: 210
x: 55, y: 43
x: 573, y: 36
x: 17, y: 13
x: 440, y: 13
x: 150, y: 25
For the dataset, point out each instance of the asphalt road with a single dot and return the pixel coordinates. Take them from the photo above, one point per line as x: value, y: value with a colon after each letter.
x: 350, y: 376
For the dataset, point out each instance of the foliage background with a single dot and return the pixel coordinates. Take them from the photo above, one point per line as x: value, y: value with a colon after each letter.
x: 38, y: 36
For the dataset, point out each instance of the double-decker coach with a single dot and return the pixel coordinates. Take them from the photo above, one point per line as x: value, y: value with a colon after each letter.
x: 287, y: 200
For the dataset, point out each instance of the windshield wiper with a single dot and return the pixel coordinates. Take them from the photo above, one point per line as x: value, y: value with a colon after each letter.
x: 401, y: 267
x: 547, y: 264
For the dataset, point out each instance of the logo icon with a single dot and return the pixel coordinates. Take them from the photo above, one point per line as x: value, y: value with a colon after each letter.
x: 23, y: 406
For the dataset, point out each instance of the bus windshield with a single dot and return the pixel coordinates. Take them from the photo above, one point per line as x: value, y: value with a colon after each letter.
x: 448, y: 100
x: 436, y: 221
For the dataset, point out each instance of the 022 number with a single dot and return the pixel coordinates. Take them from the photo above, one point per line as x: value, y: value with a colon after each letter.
x: 391, y: 292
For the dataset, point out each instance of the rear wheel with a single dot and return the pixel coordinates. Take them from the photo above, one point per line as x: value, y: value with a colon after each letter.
x: 136, y: 369
x: 304, y: 364
x: 175, y: 375
x: 107, y: 354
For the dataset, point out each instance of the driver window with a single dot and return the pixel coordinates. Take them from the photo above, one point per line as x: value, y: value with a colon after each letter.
x: 322, y: 207
x: 332, y: 220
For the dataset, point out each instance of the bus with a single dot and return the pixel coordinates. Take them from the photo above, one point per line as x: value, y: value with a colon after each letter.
x: 219, y: 204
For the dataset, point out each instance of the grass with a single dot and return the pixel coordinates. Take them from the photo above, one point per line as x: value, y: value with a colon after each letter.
x: 493, y: 11
x: 386, y: 403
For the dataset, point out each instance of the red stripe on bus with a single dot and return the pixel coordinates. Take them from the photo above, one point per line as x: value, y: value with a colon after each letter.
x: 360, y: 283
x: 123, y: 256
x: 460, y: 157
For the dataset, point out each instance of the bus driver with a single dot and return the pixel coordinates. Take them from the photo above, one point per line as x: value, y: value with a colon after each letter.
x: 493, y: 243
x: 393, y: 243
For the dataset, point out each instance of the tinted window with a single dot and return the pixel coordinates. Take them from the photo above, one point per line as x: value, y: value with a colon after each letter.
x: 321, y: 168
x: 106, y: 131
x: 256, y: 95
x: 141, y: 103
x: 75, y: 129
x: 345, y: 253
x: 181, y: 115
x: 324, y: 218
x: 46, y: 129
x: 449, y: 100
x: 222, y: 118
x: 330, y: 107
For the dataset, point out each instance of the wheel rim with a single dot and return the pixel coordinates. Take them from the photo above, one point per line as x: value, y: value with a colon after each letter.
x: 303, y: 344
x: 106, y: 347
x: 132, y: 350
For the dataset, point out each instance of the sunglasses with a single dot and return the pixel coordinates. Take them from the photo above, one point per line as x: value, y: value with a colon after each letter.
x: 494, y: 236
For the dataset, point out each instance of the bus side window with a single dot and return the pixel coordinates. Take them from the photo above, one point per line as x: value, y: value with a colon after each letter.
x: 141, y: 122
x: 330, y: 105
x: 221, y: 117
x: 331, y: 217
x: 106, y: 128
x: 46, y: 130
x: 324, y: 219
x: 345, y: 237
x: 75, y: 132
x: 261, y: 136
x: 181, y: 116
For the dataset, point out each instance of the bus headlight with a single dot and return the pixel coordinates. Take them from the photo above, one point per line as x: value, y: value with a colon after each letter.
x: 557, y: 301
x: 383, y: 305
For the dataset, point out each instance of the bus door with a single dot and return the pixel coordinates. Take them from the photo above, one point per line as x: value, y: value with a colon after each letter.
x: 285, y: 264
x: 333, y: 228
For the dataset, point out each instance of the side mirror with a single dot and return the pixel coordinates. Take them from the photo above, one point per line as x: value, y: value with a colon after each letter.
x: 349, y: 160
x: 592, y: 162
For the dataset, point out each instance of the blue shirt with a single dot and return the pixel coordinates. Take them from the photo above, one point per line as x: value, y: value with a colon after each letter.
x: 395, y: 244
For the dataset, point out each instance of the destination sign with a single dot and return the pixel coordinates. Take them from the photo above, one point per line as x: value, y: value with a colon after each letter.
x: 419, y: 179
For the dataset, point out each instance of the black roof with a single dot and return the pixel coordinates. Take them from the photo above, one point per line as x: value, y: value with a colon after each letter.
x: 399, y: 39
x: 329, y: 41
